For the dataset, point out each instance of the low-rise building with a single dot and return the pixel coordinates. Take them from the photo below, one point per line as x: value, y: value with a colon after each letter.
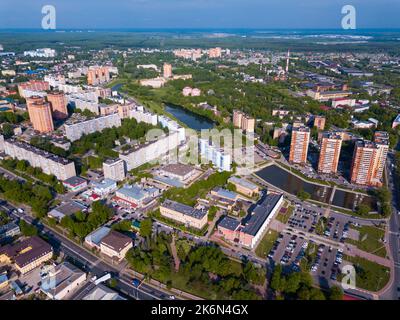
x: 9, y: 230
x: 61, y: 281
x: 115, y: 245
x: 135, y: 196
x: 249, y: 231
x: 243, y: 186
x: 101, y: 292
x: 66, y: 209
x: 75, y: 184
x: 104, y: 187
x: 93, y: 239
x: 27, y: 254
x: 179, y: 171
x: 189, y: 216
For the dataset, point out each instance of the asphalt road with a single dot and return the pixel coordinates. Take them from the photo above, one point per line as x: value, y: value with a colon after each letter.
x: 93, y: 264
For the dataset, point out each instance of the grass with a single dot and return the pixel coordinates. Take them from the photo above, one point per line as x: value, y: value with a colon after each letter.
x: 370, y: 276
x: 321, y: 225
x: 284, y: 217
x: 266, y: 243
x: 370, y: 240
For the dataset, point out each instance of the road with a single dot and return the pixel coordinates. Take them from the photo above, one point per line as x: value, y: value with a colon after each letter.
x: 91, y: 263
x: 393, y: 293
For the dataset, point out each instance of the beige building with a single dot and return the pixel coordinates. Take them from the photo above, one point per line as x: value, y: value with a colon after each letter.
x: 114, y: 169
x: 319, y: 122
x: 115, y: 245
x: 299, y: 145
x: 26, y: 255
x: 242, y: 121
x: 331, y: 143
x: 368, y: 162
x: 58, y: 103
x: 40, y: 115
x: 97, y: 75
x: 191, y: 217
x: 48, y: 162
x: 243, y: 186
x: 167, y: 70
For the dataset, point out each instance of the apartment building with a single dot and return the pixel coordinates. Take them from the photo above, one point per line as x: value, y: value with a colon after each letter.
x: 381, y: 140
x: 58, y: 103
x: 141, y: 115
x: 114, y: 169
x: 150, y: 150
x: 217, y: 156
x: 189, y: 216
x: 167, y: 70
x: 368, y: 163
x: 75, y: 130
x: 97, y: 75
x: 48, y: 162
x: 40, y: 115
x: 32, y: 85
x: 319, y: 122
x: 242, y: 121
x: 331, y: 144
x: 299, y: 145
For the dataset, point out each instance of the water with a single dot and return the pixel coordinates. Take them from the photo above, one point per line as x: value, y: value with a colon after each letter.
x: 290, y: 183
x: 191, y: 119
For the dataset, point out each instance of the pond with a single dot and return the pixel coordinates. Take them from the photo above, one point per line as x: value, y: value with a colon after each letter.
x: 292, y: 184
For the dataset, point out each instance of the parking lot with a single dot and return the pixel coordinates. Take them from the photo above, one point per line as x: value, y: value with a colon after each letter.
x: 311, y: 220
x: 326, y: 263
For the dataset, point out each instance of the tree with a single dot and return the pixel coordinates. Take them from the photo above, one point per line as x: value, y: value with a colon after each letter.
x: 277, y: 281
x: 146, y: 228
x: 292, y: 282
x: 303, y: 195
x: 27, y: 229
x: 335, y: 293
x: 363, y: 209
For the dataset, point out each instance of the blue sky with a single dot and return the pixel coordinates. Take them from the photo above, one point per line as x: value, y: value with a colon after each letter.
x: 199, y: 13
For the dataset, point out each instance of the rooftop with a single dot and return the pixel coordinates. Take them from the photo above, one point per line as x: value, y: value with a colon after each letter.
x: 261, y: 213
x: 184, y: 209
x: 242, y: 182
x: 116, y: 241
x: 178, y: 169
x: 74, y: 181
x: 229, y: 223
x: 27, y: 251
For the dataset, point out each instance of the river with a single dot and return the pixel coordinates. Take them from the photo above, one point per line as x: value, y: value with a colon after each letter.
x: 189, y: 118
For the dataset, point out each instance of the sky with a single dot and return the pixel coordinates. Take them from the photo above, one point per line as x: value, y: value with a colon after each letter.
x: 281, y: 14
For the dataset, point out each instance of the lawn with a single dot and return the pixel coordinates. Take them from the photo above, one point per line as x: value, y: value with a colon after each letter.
x: 370, y: 240
x: 369, y: 275
x: 284, y: 217
x: 266, y: 243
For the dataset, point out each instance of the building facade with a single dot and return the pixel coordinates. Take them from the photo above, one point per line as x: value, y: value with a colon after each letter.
x: 331, y: 144
x: 114, y: 169
x: 48, y: 162
x: 194, y: 218
x: 299, y: 145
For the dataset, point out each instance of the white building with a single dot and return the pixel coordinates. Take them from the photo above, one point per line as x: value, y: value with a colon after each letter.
x: 74, y: 131
x: 105, y: 187
x: 41, y: 53
x: 219, y: 158
x: 114, y: 169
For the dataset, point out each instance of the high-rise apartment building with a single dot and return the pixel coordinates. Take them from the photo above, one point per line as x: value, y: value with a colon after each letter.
x: 97, y: 75
x: 331, y: 144
x: 242, y: 121
x: 167, y: 70
x: 40, y: 115
x: 32, y: 85
x: 381, y: 138
x: 215, y: 52
x: 368, y: 162
x: 299, y: 145
x: 58, y: 103
x: 114, y: 169
x: 319, y: 122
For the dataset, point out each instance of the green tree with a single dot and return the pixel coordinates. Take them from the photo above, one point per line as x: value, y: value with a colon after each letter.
x: 27, y: 229
x: 146, y: 228
x: 335, y: 293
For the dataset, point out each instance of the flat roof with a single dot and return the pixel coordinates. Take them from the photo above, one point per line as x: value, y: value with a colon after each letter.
x: 97, y: 235
x: 105, y: 184
x: 74, y: 181
x: 229, y: 223
x: 68, y: 208
x: 223, y: 193
x: 184, y: 209
x: 261, y: 213
x: 242, y: 182
x: 178, y: 169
